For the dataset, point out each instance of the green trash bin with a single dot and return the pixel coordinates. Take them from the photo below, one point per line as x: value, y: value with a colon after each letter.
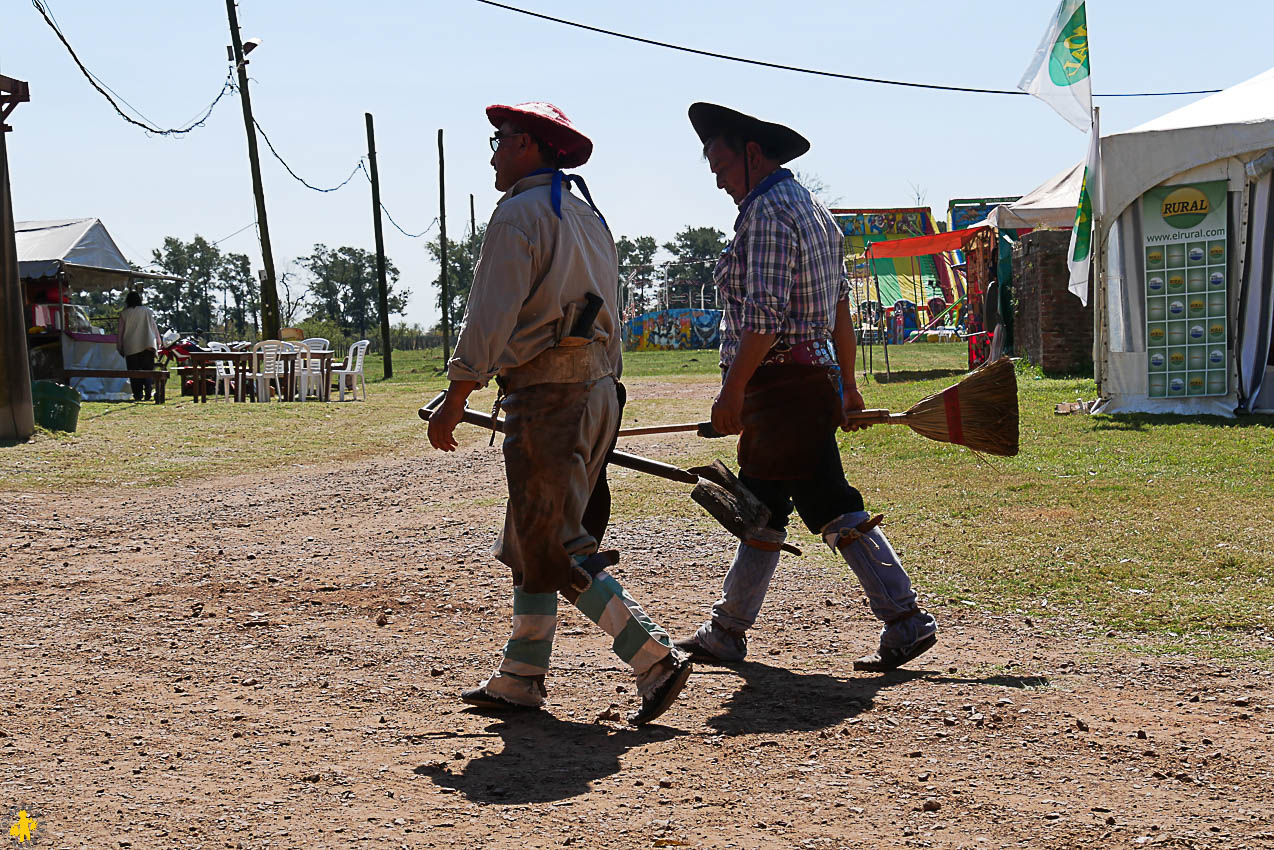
x: 56, y: 406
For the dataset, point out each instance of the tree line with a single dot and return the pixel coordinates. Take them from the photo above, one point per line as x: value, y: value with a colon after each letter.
x: 332, y: 292
x: 680, y: 276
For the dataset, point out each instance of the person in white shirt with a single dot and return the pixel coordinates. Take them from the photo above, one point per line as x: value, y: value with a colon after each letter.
x: 137, y: 340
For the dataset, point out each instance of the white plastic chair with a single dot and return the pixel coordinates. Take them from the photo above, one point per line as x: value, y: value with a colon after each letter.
x: 314, y: 375
x: 353, y: 370
x: 265, y: 367
x: 303, y: 370
x: 224, y: 370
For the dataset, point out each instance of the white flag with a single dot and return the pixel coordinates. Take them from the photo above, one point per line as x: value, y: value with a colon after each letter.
x: 1059, y: 73
x: 1080, y: 254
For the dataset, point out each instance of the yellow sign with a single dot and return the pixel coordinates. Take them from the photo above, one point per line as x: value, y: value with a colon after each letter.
x: 1185, y: 207
x: 24, y: 828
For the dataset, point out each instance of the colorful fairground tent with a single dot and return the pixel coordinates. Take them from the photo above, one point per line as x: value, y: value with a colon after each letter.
x: 889, y: 280
x: 680, y: 328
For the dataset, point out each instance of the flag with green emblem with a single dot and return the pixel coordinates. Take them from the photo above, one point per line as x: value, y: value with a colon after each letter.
x: 1059, y: 72
x: 1060, y: 75
x: 1080, y: 255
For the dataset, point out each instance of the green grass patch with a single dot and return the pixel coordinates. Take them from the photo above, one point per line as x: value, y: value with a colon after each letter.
x: 1157, y: 527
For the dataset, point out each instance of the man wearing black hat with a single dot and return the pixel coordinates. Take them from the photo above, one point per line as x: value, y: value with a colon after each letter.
x: 542, y: 318
x: 787, y: 348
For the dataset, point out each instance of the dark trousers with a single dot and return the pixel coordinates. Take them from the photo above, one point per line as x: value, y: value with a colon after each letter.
x: 140, y: 360
x: 819, y: 499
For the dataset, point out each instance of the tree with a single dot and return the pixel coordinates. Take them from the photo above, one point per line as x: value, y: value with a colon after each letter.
x: 240, y: 310
x: 342, y: 287
x: 462, y: 261
x: 818, y: 188
x: 636, y: 272
x: 695, y: 252
x: 187, y: 306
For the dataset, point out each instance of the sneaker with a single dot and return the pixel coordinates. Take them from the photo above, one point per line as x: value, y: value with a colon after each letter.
x: 891, y: 658
x: 661, y: 698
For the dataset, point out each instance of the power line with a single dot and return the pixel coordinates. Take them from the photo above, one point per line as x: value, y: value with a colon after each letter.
x: 148, y: 125
x: 236, y: 233
x: 399, y: 228
x: 299, y: 178
x: 800, y: 70
x: 357, y: 168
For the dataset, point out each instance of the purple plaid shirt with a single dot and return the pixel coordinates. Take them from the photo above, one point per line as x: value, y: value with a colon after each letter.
x: 784, y: 270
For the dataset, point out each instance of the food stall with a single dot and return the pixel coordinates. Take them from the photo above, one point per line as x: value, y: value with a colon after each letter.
x: 57, y: 262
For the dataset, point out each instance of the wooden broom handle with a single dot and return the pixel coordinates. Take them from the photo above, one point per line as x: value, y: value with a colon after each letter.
x: 618, y: 458
x: 876, y: 416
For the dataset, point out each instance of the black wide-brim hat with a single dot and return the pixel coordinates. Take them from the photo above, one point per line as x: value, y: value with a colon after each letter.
x: 711, y: 120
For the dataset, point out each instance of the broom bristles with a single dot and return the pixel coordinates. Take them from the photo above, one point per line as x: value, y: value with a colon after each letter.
x: 979, y: 412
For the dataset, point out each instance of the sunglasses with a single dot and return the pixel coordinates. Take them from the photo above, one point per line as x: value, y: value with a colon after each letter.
x: 498, y: 137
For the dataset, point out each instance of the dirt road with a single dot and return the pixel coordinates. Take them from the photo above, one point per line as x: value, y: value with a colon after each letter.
x: 246, y: 663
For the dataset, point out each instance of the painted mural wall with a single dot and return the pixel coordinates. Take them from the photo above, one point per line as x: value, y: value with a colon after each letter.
x: 667, y: 330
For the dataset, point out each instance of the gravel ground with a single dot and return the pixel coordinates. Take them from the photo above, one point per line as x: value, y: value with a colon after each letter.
x: 275, y: 663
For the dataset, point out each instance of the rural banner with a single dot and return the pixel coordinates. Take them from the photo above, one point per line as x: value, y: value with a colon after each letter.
x: 1185, y: 272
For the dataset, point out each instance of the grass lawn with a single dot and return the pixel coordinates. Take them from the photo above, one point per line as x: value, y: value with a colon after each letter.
x: 1157, y: 527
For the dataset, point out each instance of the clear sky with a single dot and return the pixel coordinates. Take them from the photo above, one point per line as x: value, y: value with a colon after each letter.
x: 421, y: 66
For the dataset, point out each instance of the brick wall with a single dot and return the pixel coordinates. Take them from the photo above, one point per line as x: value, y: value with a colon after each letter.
x: 1052, y: 329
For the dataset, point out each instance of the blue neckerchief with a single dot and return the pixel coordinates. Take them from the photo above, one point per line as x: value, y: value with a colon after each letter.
x: 555, y: 194
x: 764, y: 186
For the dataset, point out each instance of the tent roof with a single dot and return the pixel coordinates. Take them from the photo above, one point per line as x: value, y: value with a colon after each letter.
x: 81, y: 247
x: 1232, y: 122
x: 1051, y: 204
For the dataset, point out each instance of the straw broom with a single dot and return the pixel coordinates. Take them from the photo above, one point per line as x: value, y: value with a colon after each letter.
x: 979, y: 411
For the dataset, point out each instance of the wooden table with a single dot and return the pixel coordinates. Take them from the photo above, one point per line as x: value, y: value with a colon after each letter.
x: 288, y: 376
x: 200, y: 360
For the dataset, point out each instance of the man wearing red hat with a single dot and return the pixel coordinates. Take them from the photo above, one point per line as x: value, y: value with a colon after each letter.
x: 542, y: 320
x: 787, y: 348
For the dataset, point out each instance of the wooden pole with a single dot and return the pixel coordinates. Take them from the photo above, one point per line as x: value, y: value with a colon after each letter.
x: 382, y: 287
x: 442, y: 253
x: 269, y: 290
x: 17, y: 420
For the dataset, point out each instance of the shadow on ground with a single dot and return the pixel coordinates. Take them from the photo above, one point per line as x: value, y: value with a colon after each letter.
x: 1140, y: 422
x: 901, y: 377
x: 544, y: 759
x: 773, y: 699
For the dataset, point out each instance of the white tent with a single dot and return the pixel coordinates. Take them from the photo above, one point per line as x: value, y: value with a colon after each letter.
x: 79, y: 254
x: 1051, y: 204
x: 1223, y: 144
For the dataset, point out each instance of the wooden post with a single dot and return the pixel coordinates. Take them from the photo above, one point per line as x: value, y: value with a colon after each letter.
x: 269, y: 291
x: 442, y: 244
x: 17, y: 420
x: 382, y: 288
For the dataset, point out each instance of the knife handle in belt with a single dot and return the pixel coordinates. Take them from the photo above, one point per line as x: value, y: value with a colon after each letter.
x: 583, y: 327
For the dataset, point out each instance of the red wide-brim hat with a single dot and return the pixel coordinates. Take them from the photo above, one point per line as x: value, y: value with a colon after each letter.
x: 549, y: 124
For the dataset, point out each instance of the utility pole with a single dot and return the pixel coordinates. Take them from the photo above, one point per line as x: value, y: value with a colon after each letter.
x: 442, y: 244
x: 382, y: 288
x: 473, y: 231
x: 17, y: 415
x: 269, y: 292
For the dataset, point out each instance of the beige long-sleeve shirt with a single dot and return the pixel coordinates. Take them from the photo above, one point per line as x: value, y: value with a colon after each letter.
x: 531, y: 267
x: 137, y: 331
